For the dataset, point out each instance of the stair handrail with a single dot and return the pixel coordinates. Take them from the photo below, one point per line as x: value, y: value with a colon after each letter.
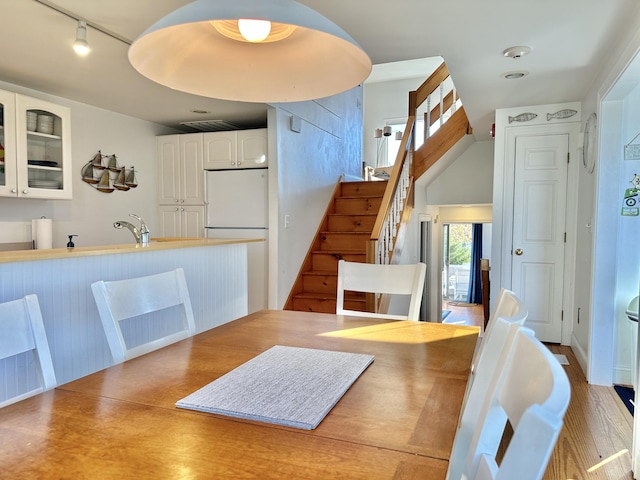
x: 381, y: 245
x: 385, y: 229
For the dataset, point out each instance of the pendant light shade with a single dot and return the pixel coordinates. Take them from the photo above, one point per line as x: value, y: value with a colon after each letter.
x: 202, y: 49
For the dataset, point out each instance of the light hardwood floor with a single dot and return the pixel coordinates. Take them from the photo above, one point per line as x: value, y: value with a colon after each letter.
x: 596, y: 438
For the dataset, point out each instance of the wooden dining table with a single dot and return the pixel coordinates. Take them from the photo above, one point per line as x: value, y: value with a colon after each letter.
x: 397, y: 421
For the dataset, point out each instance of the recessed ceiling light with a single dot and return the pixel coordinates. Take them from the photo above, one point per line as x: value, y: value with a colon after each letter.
x: 517, y: 52
x: 514, y: 75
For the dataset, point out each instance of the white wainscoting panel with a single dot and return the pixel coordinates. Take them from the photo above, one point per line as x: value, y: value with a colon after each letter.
x: 216, y: 278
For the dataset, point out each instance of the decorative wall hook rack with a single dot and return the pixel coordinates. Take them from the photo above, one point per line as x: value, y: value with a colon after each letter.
x: 104, y: 174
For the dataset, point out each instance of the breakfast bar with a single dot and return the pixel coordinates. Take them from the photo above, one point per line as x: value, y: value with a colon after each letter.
x: 215, y: 270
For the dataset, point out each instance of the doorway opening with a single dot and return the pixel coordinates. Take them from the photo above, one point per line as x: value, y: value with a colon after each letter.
x: 456, y: 261
x: 425, y: 255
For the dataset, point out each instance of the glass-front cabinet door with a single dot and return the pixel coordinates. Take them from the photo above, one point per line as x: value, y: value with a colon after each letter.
x: 8, y: 180
x: 43, y: 149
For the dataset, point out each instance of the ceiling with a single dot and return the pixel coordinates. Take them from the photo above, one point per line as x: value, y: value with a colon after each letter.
x: 569, y: 40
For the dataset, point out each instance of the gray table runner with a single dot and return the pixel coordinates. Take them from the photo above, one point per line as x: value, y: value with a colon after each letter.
x: 289, y: 386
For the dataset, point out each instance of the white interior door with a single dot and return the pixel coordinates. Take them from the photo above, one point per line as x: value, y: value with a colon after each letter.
x: 538, y: 246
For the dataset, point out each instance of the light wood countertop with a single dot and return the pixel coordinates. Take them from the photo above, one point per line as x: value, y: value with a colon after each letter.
x: 156, y: 244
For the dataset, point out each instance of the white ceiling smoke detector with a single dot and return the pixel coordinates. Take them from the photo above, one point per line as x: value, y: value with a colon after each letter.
x: 516, y: 52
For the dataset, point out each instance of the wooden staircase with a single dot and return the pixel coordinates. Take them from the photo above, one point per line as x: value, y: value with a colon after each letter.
x: 368, y: 221
x: 343, y: 234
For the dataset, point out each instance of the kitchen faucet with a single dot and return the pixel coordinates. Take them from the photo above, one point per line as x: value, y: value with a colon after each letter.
x: 142, y: 235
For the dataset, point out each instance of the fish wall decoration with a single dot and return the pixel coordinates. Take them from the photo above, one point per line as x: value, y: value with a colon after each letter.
x: 561, y: 114
x: 523, y: 117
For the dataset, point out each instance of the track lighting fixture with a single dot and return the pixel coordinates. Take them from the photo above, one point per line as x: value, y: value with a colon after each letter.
x: 81, y: 46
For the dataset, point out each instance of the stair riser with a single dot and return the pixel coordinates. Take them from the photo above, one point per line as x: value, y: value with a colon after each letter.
x: 357, y: 205
x: 356, y: 189
x: 329, y: 262
x: 351, y: 223
x: 320, y: 284
x: 338, y: 242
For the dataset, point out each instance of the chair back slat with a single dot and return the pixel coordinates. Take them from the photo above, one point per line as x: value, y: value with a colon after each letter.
x: 23, y: 331
x: 15, y: 326
x: 121, y: 300
x: 381, y: 279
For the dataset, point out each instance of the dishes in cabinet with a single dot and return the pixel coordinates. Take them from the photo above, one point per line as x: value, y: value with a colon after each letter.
x: 45, y: 184
x: 42, y: 163
x: 44, y: 124
x: 32, y: 121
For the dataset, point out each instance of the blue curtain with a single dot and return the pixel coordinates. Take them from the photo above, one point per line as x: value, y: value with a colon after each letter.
x: 474, y: 295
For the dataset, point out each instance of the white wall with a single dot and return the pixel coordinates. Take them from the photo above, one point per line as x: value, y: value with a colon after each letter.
x: 621, y: 123
x: 310, y: 163
x: 91, y: 213
x: 599, y: 295
x: 385, y: 101
x: 468, y: 180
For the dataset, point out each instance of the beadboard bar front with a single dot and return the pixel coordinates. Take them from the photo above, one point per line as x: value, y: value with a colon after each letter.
x: 216, y: 277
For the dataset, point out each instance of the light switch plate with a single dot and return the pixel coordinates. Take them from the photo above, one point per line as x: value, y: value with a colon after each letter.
x: 296, y: 124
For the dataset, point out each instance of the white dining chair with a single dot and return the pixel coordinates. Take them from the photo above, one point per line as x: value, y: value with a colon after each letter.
x: 498, y: 348
x: 507, y: 306
x: 22, y: 332
x: 508, y: 314
x: 120, y: 300
x: 532, y: 392
x: 381, y: 279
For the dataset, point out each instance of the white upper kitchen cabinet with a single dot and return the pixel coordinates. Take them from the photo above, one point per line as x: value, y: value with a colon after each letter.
x: 235, y: 149
x: 181, y: 174
x: 36, y: 140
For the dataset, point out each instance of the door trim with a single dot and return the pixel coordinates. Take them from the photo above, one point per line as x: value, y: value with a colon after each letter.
x: 503, y: 212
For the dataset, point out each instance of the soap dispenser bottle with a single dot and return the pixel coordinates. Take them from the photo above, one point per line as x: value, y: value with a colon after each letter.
x: 70, y: 243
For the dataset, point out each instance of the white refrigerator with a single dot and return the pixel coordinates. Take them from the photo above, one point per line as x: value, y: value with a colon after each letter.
x: 237, y: 207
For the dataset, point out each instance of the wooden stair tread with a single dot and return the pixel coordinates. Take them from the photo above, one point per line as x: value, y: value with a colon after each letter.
x: 328, y: 296
x: 349, y: 197
x: 321, y: 272
x: 340, y: 252
x: 363, y: 214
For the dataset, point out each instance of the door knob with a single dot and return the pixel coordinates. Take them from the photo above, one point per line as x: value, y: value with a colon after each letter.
x: 519, y: 251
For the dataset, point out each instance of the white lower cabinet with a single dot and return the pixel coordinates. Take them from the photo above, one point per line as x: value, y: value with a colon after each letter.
x: 182, y: 221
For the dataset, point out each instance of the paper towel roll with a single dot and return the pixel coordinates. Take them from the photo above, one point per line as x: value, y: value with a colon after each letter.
x: 42, y: 233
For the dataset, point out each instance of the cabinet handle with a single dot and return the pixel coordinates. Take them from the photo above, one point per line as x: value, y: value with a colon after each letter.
x: 177, y: 200
x: 239, y: 162
x: 25, y: 191
x: 182, y: 200
x: 13, y: 190
x: 233, y: 163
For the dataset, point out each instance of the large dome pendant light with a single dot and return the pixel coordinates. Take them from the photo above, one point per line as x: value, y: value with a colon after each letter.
x: 200, y: 49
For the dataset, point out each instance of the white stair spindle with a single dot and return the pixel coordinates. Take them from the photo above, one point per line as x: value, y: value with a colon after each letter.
x: 453, y: 105
x: 441, y: 104
x: 427, y: 123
